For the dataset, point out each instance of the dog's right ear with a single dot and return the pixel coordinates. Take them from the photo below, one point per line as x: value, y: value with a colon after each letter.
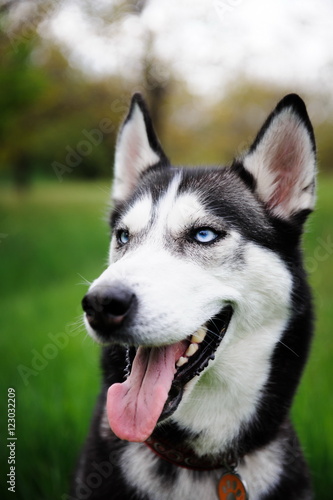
x: 137, y: 149
x: 280, y: 165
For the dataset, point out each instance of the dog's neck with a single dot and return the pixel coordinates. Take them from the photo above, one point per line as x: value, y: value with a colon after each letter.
x: 183, y: 455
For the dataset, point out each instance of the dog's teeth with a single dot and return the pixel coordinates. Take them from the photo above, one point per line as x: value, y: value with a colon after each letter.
x: 191, y: 350
x: 199, y: 335
x: 181, y: 361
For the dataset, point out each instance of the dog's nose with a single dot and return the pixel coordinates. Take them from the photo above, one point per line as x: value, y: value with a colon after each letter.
x: 106, y: 307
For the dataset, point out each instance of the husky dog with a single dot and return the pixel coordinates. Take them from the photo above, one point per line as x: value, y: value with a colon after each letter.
x: 204, y: 313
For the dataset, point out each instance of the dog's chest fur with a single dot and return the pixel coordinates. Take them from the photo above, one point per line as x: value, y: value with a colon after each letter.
x: 261, y: 471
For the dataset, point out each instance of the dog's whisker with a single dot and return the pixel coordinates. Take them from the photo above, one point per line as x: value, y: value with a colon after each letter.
x: 85, y: 281
x: 213, y: 333
x: 289, y: 348
x: 79, y: 327
x: 77, y: 324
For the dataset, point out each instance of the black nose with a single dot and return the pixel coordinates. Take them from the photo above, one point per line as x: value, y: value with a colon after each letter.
x: 106, y: 307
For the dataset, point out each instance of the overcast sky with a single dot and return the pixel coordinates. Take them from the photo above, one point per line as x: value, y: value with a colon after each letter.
x: 210, y: 42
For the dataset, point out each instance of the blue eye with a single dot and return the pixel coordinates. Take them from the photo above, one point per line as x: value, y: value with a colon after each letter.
x: 205, y: 235
x: 123, y: 236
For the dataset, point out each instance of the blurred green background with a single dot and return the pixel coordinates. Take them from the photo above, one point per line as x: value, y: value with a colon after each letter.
x: 58, y: 129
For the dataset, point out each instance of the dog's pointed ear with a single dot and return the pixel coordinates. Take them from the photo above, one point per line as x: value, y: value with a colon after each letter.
x: 281, y: 163
x: 137, y: 149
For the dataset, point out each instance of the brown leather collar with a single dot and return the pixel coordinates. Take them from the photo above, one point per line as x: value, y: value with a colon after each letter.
x: 183, y: 456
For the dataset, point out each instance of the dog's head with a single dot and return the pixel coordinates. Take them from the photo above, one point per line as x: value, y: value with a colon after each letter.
x: 202, y: 265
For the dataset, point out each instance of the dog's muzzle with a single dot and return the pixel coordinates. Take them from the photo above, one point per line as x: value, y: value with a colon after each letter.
x: 155, y: 376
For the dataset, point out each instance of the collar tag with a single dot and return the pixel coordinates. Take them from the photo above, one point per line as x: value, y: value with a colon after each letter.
x: 231, y: 486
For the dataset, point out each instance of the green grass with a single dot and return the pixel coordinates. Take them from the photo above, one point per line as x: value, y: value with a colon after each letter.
x: 313, y: 408
x: 56, y: 238
x: 53, y: 239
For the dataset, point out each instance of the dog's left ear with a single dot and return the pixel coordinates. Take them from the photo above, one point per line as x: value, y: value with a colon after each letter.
x: 282, y: 160
x: 137, y: 149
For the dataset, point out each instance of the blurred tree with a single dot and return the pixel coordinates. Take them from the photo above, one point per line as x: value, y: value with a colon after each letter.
x: 55, y: 118
x: 153, y: 77
x: 21, y: 86
x: 199, y: 132
x: 77, y: 120
x: 58, y: 120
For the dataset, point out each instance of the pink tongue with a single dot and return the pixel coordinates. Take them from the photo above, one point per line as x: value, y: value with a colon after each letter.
x: 133, y: 407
